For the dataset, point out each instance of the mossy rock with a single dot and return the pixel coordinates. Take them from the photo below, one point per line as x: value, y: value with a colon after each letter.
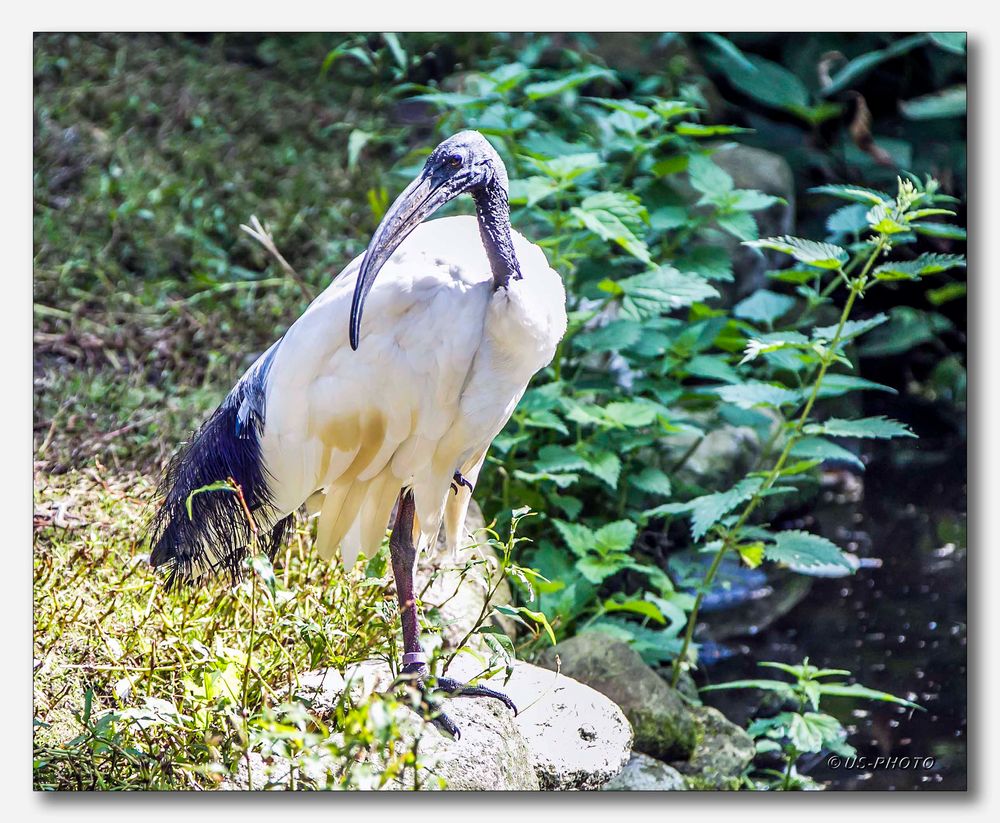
x: 722, y: 752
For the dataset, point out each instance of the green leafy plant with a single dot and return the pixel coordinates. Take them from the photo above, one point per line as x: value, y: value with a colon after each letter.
x: 807, y: 729
x: 631, y: 207
x: 890, y: 220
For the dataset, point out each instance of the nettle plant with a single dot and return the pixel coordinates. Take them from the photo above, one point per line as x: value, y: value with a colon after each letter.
x: 624, y: 196
x: 805, y: 728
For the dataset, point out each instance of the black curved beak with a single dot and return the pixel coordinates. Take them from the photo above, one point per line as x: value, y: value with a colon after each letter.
x: 421, y: 198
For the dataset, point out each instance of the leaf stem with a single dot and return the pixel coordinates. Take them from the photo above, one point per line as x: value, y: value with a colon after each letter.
x: 732, y: 535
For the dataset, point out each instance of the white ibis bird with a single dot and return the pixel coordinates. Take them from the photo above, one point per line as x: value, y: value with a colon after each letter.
x: 446, y: 321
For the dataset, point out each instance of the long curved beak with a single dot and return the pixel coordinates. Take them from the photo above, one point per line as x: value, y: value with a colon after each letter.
x: 420, y: 199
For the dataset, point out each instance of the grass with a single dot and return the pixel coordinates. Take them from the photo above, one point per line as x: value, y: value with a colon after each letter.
x: 150, y: 151
x: 139, y: 688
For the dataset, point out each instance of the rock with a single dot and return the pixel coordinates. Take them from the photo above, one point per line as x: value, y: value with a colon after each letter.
x: 642, y: 773
x: 567, y: 736
x: 661, y: 720
x: 490, y: 755
x: 578, y: 739
x: 321, y: 690
x: 722, y: 752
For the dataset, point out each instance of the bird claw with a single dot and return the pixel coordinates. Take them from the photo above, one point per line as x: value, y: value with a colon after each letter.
x: 417, y: 673
x: 458, y: 480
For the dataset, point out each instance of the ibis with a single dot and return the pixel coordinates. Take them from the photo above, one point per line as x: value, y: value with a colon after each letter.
x: 384, y: 395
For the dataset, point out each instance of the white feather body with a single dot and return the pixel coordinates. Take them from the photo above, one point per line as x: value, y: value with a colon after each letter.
x: 442, y: 362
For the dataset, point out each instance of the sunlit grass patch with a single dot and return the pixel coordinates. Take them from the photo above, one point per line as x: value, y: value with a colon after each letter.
x: 136, y: 687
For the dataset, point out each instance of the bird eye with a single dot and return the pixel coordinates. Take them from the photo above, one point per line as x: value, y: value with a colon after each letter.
x: 454, y: 160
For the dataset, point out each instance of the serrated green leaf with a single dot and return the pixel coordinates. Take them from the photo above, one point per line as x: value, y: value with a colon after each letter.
x: 810, y: 252
x: 630, y: 413
x: 566, y: 167
x: 914, y: 269
x: 851, y: 329
x: 757, y: 393
x: 801, y: 548
x: 545, y: 420
x: 850, y: 219
x: 858, y: 194
x: 883, y: 220
x: 661, y: 290
x: 577, y: 537
x: 739, y: 224
x: 816, y: 448
x: 713, y: 367
x: 764, y: 306
x: 707, y: 177
x: 531, y: 190
x: 595, y: 569
x: 652, y: 481
x: 835, y: 385
x: 907, y: 327
x: 709, y: 509
x: 604, y: 465
x: 764, y: 685
x: 857, y: 690
x: 550, y: 88
x: 710, y: 262
x: 943, y: 230
x: 616, y: 335
x: 872, y: 427
x: 615, y: 537
x: 558, y: 459
x: 609, y: 226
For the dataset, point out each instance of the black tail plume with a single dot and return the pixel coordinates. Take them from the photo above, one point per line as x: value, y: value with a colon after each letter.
x: 195, y: 534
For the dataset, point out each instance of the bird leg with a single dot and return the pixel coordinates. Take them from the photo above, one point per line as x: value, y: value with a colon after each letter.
x: 460, y: 480
x: 404, y: 555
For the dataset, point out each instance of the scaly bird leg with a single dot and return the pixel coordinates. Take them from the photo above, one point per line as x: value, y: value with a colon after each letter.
x: 404, y: 555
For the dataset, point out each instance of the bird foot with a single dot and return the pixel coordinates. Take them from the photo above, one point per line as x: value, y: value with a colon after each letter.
x: 459, y: 480
x: 417, y: 674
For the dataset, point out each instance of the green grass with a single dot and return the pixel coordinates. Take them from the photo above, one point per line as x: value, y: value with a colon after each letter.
x: 139, y: 688
x: 150, y: 151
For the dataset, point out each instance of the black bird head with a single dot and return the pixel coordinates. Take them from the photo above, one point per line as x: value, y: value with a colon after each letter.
x: 465, y: 162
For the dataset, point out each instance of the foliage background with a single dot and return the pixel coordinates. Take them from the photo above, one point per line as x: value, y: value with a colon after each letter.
x: 150, y: 150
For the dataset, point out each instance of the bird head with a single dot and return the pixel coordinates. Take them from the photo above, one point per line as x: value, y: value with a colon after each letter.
x: 465, y: 162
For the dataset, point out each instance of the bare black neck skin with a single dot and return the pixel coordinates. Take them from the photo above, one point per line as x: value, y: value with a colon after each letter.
x: 493, y: 211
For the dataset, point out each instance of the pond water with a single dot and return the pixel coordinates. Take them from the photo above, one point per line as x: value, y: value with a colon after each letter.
x: 900, y: 627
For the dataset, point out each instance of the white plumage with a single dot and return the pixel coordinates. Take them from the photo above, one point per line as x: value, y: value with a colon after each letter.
x: 352, y: 412
x: 443, y: 360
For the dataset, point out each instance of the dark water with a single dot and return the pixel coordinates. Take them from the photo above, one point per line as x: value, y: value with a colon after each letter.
x: 900, y: 628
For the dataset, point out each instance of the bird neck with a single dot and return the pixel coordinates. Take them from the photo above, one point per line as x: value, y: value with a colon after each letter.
x: 493, y: 212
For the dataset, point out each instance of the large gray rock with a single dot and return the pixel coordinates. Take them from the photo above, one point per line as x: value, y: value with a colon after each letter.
x: 661, y: 721
x: 722, y: 752
x: 578, y: 739
x: 643, y: 773
x: 566, y: 736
